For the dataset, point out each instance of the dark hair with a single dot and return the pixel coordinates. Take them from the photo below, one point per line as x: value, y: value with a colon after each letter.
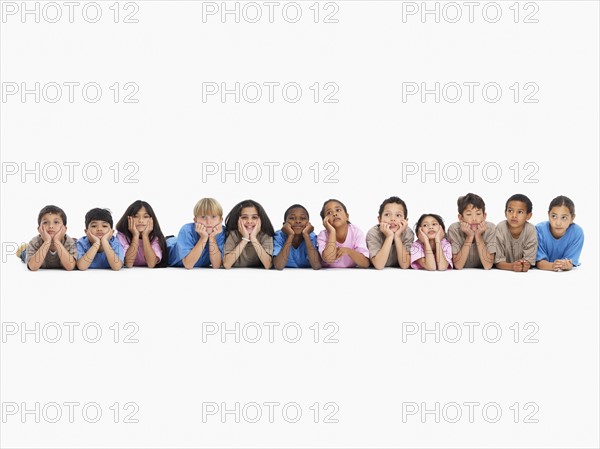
x: 562, y: 201
x: 123, y: 227
x: 294, y: 206
x: 394, y: 200
x: 231, y: 221
x: 470, y: 198
x: 98, y: 214
x: 322, y: 213
x: 52, y: 210
x: 523, y: 199
x: 439, y: 219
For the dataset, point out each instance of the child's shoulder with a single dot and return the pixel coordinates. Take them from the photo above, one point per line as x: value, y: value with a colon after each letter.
x: 575, y: 229
x: 454, y: 226
x: 374, y: 231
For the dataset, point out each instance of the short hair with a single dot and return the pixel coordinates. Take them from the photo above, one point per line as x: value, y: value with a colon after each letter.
x: 50, y: 209
x: 98, y: 214
x: 562, y: 200
x: 393, y: 200
x: 206, y: 206
x: 470, y: 198
x: 294, y: 206
x: 523, y: 199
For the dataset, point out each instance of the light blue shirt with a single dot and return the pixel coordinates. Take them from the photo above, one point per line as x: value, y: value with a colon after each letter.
x: 567, y: 247
x: 100, y: 260
x: 298, y: 257
x: 186, y: 240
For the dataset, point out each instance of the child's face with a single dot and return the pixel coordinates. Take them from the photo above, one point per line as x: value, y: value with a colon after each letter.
x: 392, y: 214
x: 141, y: 219
x: 560, y: 219
x: 99, y: 228
x: 430, y: 227
x: 516, y: 214
x: 51, y: 223
x: 297, y: 219
x: 211, y: 221
x: 249, y: 216
x: 336, y: 214
x: 472, y: 216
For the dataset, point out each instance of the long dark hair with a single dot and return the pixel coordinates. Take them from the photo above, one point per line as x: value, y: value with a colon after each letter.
x: 231, y: 221
x: 123, y: 228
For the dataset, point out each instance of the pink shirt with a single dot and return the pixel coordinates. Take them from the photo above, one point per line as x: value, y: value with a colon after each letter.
x: 140, y: 258
x: 417, y: 251
x: 355, y: 239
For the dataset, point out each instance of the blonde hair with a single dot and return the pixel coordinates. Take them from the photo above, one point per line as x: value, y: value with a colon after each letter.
x: 208, y: 206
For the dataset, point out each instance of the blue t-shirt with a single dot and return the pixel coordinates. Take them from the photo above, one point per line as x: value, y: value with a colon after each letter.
x: 186, y: 240
x: 567, y: 247
x: 298, y: 256
x: 100, y: 260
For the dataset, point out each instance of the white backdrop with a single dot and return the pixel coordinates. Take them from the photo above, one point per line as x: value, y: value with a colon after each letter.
x: 495, y: 98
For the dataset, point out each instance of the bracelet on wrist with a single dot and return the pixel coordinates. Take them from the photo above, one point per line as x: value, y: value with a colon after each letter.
x: 248, y: 240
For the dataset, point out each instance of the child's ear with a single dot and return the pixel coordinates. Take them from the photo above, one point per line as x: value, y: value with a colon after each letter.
x: 529, y: 216
x: 573, y: 218
x: 379, y: 219
x: 460, y: 217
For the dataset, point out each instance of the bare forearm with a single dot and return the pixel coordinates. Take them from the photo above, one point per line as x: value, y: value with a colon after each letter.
x: 131, y: 253
x: 216, y: 260
x: 505, y: 266
x: 430, y: 263
x: 280, y: 260
x: 264, y: 257
x: 190, y: 260
x: 487, y: 258
x: 403, y: 254
x: 231, y: 257
x: 330, y: 251
x: 114, y: 262
x: 313, y: 255
x: 544, y: 265
x: 149, y: 254
x: 461, y: 257
x: 35, y: 262
x: 442, y: 263
x: 380, y: 259
x: 86, y: 260
x: 66, y: 259
x: 359, y: 259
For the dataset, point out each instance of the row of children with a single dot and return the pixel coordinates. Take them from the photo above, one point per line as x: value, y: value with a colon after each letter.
x: 249, y: 240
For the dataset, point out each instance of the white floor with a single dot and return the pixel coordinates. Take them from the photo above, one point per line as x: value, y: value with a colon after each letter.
x: 370, y: 380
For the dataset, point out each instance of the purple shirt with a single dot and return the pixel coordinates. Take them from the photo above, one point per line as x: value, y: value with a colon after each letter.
x: 355, y: 239
x: 140, y: 257
x: 417, y: 251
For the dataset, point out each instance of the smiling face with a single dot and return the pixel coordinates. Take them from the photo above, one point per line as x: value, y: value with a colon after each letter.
x: 141, y: 219
x: 560, y: 219
x: 472, y: 216
x: 99, y: 228
x: 337, y: 216
x: 298, y: 219
x: 210, y: 220
x: 249, y: 216
x: 51, y: 223
x: 430, y: 226
x: 516, y: 214
x: 392, y: 214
